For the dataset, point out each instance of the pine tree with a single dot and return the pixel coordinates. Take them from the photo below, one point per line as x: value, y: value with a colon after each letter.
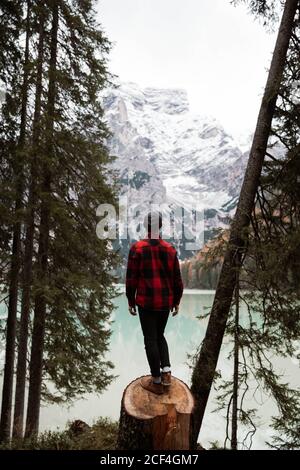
x: 66, y: 283
x: 270, y: 279
x: 30, y: 229
x: 82, y: 291
x: 204, y: 370
x: 11, y: 13
x: 79, y: 282
x: 35, y: 381
x: 18, y: 175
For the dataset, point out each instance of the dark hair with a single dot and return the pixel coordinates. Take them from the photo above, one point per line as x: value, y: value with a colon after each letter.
x: 151, y: 219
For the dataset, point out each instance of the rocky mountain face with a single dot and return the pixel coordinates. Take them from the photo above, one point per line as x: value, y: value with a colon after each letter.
x: 165, y: 154
x: 202, y: 270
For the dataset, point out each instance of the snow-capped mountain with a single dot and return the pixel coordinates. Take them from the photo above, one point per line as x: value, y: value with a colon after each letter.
x: 166, y: 154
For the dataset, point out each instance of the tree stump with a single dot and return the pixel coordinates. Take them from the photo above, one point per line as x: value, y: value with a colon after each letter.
x: 155, y: 422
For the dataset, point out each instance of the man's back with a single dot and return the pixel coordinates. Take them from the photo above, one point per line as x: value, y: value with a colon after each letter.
x: 153, y: 278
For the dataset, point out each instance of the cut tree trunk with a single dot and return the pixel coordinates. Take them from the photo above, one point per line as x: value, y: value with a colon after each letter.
x: 155, y: 422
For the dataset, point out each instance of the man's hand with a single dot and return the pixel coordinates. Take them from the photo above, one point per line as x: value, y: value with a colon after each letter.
x: 175, y: 309
x: 132, y: 310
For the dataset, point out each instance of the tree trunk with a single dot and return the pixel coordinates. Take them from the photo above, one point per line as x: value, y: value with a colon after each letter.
x: 155, y: 422
x: 5, y: 423
x: 234, y: 418
x: 28, y: 256
x: 206, y: 363
x: 36, y: 359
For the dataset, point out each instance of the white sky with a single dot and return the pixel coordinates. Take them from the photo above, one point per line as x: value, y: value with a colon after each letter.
x: 217, y: 52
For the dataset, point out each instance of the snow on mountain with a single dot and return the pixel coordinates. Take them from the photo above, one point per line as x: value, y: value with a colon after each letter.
x: 166, y: 154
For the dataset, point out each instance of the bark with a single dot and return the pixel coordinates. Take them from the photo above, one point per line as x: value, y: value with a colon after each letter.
x: 155, y: 422
x: 36, y: 360
x: 234, y: 418
x: 29, y: 239
x: 6, y: 408
x: 204, y: 370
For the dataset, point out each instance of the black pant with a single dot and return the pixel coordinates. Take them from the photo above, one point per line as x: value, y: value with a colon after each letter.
x: 153, y: 323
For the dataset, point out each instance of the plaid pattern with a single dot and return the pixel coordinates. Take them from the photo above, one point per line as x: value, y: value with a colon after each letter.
x: 153, y: 278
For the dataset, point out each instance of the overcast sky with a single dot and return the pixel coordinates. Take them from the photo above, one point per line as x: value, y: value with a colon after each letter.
x: 218, y: 53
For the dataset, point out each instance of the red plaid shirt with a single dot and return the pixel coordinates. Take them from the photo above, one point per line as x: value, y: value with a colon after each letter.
x: 153, y: 278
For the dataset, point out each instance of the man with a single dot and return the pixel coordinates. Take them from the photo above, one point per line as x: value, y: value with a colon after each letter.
x: 154, y: 285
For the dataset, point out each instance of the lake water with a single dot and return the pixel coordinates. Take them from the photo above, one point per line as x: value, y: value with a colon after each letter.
x: 184, y: 333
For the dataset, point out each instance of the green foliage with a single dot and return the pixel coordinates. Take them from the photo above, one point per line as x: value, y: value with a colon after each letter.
x: 11, y: 12
x: 266, y: 10
x: 80, y: 290
x: 271, y: 271
x: 138, y: 179
x: 79, y: 282
x: 100, y: 436
x: 287, y: 427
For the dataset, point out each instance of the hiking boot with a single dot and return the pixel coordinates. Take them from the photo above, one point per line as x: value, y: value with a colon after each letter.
x: 166, y: 379
x: 148, y: 384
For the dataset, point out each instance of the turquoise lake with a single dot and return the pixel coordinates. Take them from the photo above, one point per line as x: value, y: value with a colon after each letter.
x: 184, y: 334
